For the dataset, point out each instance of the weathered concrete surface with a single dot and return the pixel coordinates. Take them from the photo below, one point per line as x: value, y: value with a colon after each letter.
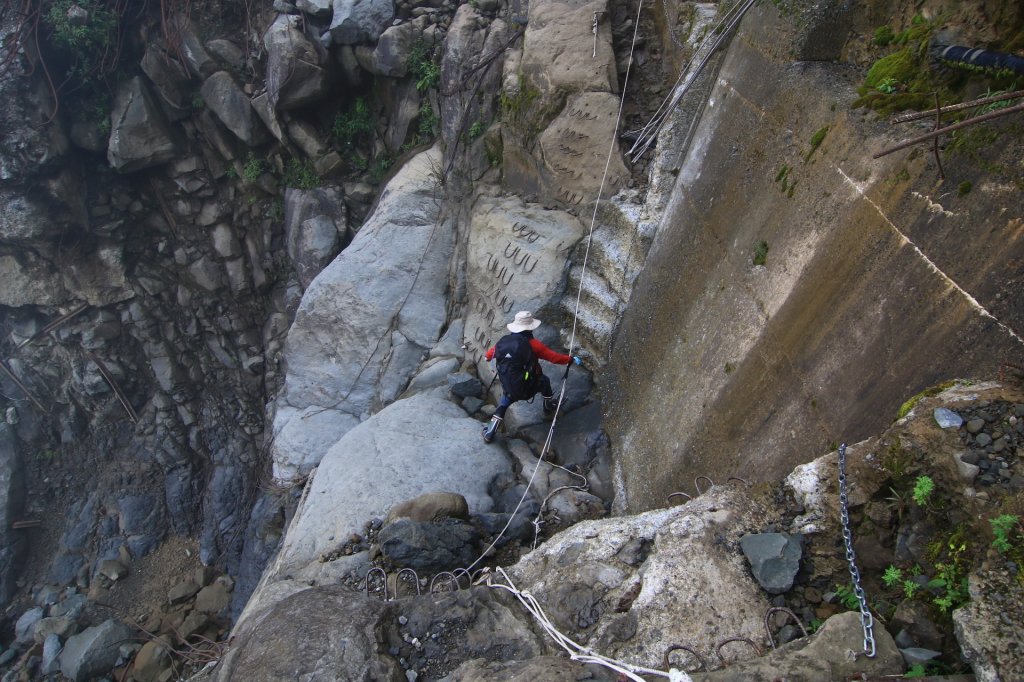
x: 879, y: 280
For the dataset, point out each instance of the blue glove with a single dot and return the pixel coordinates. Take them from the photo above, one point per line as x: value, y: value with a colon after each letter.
x: 577, y: 359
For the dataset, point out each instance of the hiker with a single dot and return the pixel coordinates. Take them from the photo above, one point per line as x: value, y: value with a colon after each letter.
x: 517, y: 355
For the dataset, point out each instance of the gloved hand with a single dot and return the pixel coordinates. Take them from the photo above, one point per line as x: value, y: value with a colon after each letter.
x: 577, y: 359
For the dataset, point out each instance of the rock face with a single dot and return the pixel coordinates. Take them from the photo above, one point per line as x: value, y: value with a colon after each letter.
x: 353, y: 347
x: 774, y: 559
x: 231, y: 105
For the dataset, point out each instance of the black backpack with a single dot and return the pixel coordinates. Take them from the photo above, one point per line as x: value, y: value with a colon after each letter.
x: 516, y: 366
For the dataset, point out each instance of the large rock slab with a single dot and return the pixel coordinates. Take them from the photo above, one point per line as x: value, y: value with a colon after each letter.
x: 139, y: 136
x: 368, y: 319
x: 417, y: 445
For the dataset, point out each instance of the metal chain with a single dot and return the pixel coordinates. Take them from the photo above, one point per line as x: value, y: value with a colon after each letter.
x: 866, y: 619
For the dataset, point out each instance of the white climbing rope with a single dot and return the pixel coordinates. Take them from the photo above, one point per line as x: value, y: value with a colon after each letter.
x: 576, y: 651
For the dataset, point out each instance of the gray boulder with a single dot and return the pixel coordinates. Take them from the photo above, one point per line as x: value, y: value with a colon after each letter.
x: 226, y: 100
x: 93, y: 651
x: 26, y: 623
x: 360, y: 21
x: 390, y: 56
x: 465, y: 385
x: 316, y: 229
x: 317, y: 634
x: 774, y: 559
x: 295, y: 74
x: 197, y: 59
x: 417, y: 445
x: 428, y: 546
x: 12, y: 498
x: 139, y: 136
x: 168, y: 76
x: 318, y: 8
x: 50, y: 663
x: 353, y: 347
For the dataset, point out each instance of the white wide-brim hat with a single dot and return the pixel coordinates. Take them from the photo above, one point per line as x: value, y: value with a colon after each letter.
x: 524, y: 321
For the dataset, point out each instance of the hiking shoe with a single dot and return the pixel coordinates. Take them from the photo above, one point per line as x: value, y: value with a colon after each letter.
x: 491, y: 429
x: 549, y: 406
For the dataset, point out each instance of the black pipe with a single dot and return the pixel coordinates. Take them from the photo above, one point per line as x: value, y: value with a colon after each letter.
x: 977, y: 57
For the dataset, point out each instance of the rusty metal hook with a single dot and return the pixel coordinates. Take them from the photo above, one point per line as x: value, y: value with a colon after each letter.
x: 737, y: 478
x: 718, y: 649
x: 679, y: 647
x: 671, y: 495
x: 780, y: 609
x: 696, y: 484
x: 514, y: 251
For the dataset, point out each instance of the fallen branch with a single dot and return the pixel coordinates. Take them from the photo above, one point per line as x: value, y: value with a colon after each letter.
x: 948, y: 129
x: 113, y: 384
x: 53, y: 325
x: 24, y: 389
x: 959, y: 107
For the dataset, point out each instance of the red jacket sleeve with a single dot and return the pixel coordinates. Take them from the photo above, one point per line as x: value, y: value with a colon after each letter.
x: 490, y: 353
x: 545, y: 353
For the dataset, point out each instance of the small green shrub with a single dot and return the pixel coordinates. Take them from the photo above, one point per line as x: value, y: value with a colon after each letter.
x: 422, y: 66
x: 476, y: 130
x: 847, y: 597
x: 353, y: 123
x: 379, y: 169
x: 916, y: 670
x: 964, y: 188
x: 923, y: 488
x: 254, y: 168
x: 300, y: 175
x: 892, y: 576
x: 761, y: 253
x: 1002, y: 528
x: 816, y: 140
x: 90, y: 45
x: 883, y: 36
x: 729, y: 368
x: 429, y: 122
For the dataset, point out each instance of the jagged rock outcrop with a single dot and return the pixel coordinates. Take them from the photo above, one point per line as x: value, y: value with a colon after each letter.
x: 316, y: 229
x: 360, y: 21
